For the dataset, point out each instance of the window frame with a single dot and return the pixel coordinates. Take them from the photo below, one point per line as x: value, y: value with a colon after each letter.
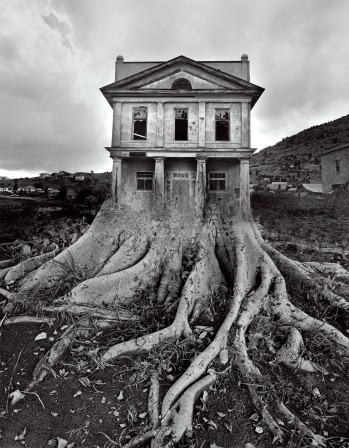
x: 134, y: 120
x: 227, y: 109
x: 218, y: 179
x: 145, y: 178
x: 175, y: 119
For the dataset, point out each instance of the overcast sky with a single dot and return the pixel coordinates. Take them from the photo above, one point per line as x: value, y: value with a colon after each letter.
x: 55, y: 55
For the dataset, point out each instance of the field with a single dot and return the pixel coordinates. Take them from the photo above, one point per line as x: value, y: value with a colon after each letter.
x: 90, y: 407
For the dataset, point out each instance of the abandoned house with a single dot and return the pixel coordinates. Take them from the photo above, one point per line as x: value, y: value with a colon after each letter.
x: 181, y: 133
x: 335, y: 168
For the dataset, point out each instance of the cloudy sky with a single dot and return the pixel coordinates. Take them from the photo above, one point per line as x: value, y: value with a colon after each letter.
x: 56, y: 54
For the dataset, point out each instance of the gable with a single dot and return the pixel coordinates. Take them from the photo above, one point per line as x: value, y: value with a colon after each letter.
x: 196, y: 82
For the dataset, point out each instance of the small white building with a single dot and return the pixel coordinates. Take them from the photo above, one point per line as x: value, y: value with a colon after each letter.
x: 277, y: 186
x: 45, y: 175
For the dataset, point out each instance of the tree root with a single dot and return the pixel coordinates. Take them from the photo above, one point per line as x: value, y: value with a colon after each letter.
x: 25, y: 267
x: 27, y: 320
x: 236, y: 275
x: 290, y: 353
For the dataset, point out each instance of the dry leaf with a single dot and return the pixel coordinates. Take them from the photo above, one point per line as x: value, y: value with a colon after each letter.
x: 121, y: 395
x: 85, y: 381
x: 228, y: 426
x: 142, y: 415
x: 77, y: 393
x: 213, y: 424
x: 21, y: 435
x: 62, y: 443
x: 224, y: 356
x: 16, y: 396
x: 259, y: 429
x: 40, y: 336
x: 203, y: 335
x: 220, y: 414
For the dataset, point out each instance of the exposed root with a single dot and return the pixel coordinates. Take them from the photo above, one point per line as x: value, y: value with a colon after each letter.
x: 285, y: 313
x: 290, y: 353
x: 274, y: 427
x: 117, y: 314
x: 236, y: 276
x: 153, y: 401
x: 128, y: 254
x: 317, y: 440
x: 27, y: 320
x: 122, y: 287
x: 25, y: 267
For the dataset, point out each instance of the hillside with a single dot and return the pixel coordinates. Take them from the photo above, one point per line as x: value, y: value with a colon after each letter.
x: 297, y: 157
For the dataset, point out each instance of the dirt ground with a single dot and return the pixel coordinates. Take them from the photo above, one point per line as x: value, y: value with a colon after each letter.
x: 91, y: 407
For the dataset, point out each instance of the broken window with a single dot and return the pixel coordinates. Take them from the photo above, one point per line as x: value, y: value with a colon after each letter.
x: 140, y: 123
x: 181, y: 124
x: 222, y: 125
x: 145, y: 180
x: 338, y: 166
x: 217, y: 181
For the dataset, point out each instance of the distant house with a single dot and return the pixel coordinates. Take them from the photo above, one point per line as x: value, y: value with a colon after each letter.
x: 63, y: 174
x: 71, y: 195
x: 53, y: 193
x: 278, y: 186
x: 335, y: 167
x: 309, y: 189
x: 79, y: 177
x: 45, y: 175
x: 29, y: 189
x: 6, y: 189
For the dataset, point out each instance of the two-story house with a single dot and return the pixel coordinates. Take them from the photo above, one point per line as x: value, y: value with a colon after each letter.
x: 181, y: 132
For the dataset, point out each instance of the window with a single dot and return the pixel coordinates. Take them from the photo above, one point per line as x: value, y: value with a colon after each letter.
x: 338, y: 166
x: 181, y: 84
x: 217, y: 181
x: 145, y: 180
x: 139, y: 123
x: 222, y: 125
x: 181, y: 124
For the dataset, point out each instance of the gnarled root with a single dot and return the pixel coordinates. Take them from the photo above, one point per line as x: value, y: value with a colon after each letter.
x: 234, y: 272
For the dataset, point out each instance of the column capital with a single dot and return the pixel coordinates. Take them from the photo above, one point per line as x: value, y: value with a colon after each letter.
x: 244, y: 160
x: 201, y: 158
x: 159, y: 158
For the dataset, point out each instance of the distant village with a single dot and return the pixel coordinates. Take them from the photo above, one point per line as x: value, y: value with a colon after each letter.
x: 80, y: 187
x: 317, y: 176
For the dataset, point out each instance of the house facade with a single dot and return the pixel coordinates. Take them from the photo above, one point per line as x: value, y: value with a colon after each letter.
x: 181, y: 133
x: 335, y: 168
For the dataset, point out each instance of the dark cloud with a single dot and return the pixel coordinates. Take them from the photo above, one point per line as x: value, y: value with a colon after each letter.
x: 54, y: 56
x: 63, y: 29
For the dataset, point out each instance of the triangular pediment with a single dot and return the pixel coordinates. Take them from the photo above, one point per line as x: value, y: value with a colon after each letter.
x: 202, y: 78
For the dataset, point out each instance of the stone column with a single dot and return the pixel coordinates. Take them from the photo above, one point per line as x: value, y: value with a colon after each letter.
x: 160, y: 129
x: 116, y: 189
x: 244, y: 188
x: 201, y: 187
x: 116, y: 136
x: 159, y: 183
x: 202, y: 124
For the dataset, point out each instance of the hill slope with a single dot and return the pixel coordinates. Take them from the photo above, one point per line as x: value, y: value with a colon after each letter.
x: 299, y: 154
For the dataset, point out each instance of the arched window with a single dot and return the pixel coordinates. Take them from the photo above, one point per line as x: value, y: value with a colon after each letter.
x: 182, y: 84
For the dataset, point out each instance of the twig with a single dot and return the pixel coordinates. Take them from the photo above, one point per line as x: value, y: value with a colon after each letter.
x: 34, y: 393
